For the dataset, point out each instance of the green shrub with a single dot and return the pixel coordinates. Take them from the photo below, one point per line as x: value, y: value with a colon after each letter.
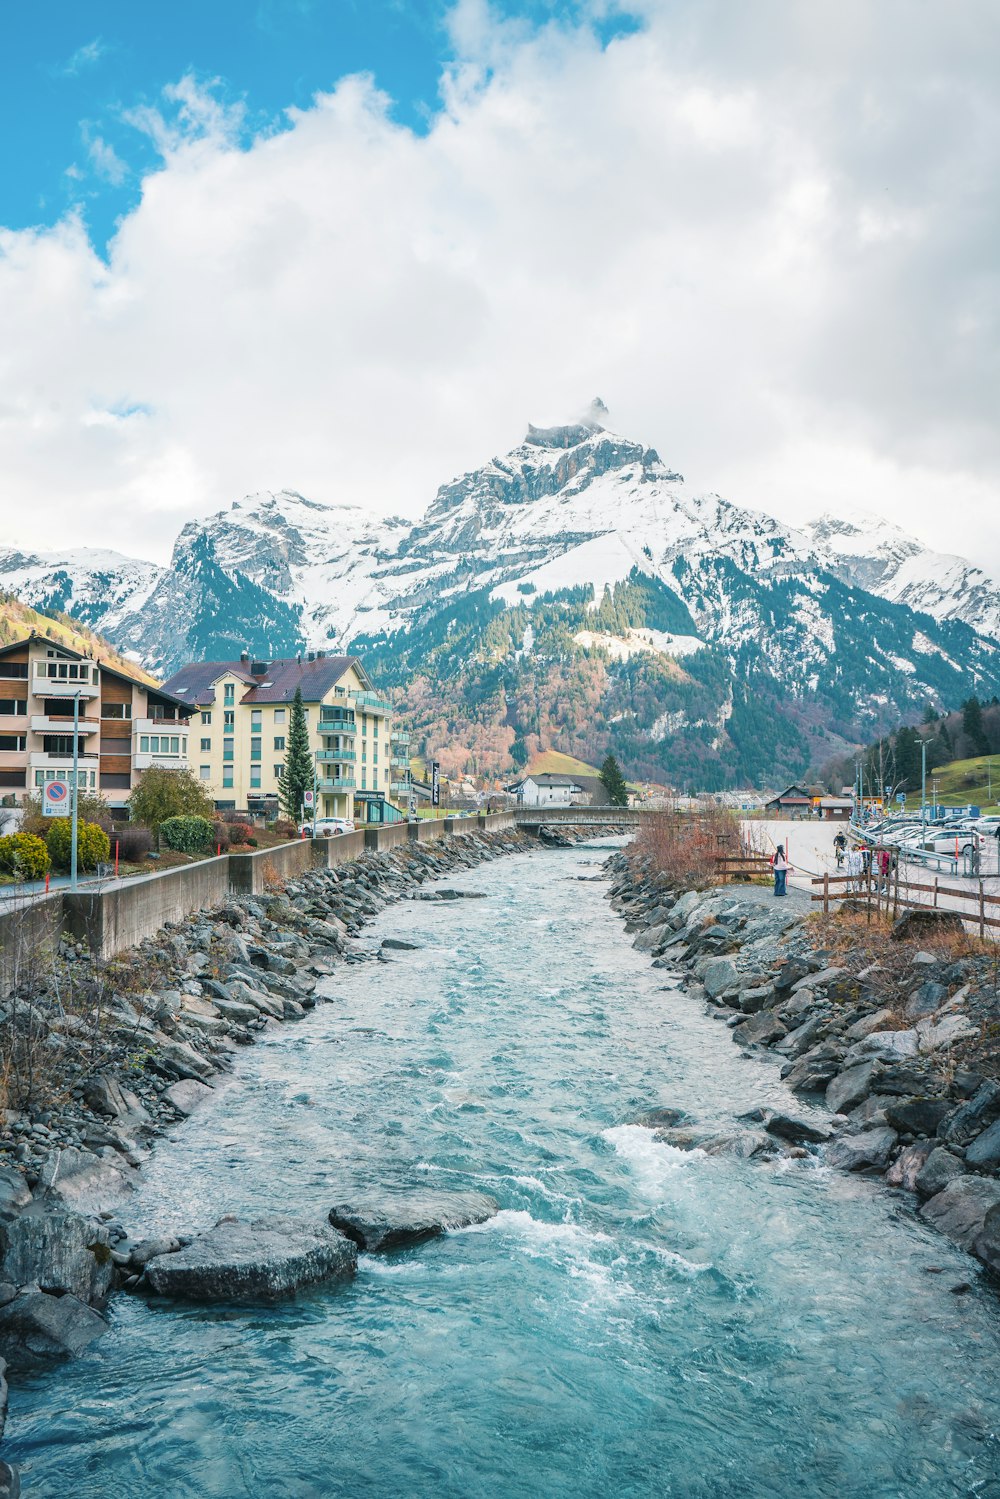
x: 92, y: 844
x: 24, y: 855
x: 188, y: 835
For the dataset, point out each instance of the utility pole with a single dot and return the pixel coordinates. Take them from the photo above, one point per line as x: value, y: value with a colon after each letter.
x: 923, y: 791
x: 75, y: 793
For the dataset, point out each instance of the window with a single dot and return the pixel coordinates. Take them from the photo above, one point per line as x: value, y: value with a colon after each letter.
x: 228, y: 693
x: 279, y: 741
x: 13, y: 741
x: 116, y: 710
x: 278, y: 770
x: 227, y: 750
x: 255, y: 777
x: 229, y: 720
x: 375, y: 755
x: 255, y: 749
x: 206, y: 772
x: 206, y: 746
x: 13, y: 707
x: 364, y: 723
x: 364, y: 779
x: 206, y: 719
x: 227, y: 778
x: 14, y: 671
x: 375, y: 727
x: 279, y: 715
x: 255, y: 720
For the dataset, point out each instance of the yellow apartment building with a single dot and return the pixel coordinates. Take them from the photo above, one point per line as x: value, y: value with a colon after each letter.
x: 238, y: 738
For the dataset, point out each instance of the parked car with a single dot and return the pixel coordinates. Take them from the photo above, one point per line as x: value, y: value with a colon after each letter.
x: 327, y: 827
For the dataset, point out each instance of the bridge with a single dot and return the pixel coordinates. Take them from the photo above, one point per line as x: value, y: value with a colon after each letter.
x: 580, y: 817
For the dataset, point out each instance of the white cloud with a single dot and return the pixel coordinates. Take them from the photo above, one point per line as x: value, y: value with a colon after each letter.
x: 84, y: 57
x: 766, y: 235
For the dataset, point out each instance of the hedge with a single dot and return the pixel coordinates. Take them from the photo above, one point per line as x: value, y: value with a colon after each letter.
x: 188, y: 835
x: 92, y: 844
x: 24, y: 855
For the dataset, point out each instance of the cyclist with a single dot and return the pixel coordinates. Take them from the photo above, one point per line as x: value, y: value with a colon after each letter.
x: 840, y: 849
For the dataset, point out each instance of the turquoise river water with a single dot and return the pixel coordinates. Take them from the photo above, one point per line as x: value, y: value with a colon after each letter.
x: 635, y: 1321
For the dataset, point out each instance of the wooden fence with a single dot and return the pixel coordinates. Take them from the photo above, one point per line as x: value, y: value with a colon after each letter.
x: 891, y: 893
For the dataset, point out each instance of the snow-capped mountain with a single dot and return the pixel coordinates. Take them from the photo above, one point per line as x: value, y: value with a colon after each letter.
x: 878, y: 556
x: 579, y: 566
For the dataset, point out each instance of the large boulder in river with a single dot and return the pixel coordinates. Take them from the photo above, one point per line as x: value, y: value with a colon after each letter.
x: 869, y: 1151
x: 987, y: 1244
x: 36, y: 1326
x: 265, y: 1258
x: 960, y: 1210
x: 391, y: 1220
x: 61, y: 1252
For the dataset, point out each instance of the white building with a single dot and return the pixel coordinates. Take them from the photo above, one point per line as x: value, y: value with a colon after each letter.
x: 547, y: 791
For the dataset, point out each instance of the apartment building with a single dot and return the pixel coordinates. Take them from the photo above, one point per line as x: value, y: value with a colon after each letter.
x: 239, y: 737
x: 124, y: 724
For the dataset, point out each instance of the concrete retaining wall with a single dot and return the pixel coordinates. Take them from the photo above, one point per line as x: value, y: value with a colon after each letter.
x: 117, y: 918
x: 27, y: 932
x: 341, y: 849
x: 249, y: 873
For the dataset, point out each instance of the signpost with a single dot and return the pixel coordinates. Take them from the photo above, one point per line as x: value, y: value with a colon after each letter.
x: 55, y: 799
x: 435, y: 784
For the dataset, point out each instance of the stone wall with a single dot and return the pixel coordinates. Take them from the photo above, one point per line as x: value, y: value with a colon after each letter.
x: 249, y: 873
x: 114, y: 919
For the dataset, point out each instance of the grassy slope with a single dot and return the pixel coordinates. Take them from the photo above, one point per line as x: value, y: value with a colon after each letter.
x: 964, y: 781
x: 551, y: 762
x: 17, y: 621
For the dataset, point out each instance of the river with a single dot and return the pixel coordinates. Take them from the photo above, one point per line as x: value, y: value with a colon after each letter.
x: 636, y: 1320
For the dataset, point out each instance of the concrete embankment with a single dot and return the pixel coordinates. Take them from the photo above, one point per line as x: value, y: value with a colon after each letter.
x: 104, y: 1053
x: 889, y: 1036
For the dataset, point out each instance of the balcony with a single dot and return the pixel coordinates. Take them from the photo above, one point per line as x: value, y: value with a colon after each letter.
x: 43, y: 686
x: 333, y: 756
x: 336, y: 719
x: 372, y: 702
x: 336, y: 783
x: 151, y: 725
x: 160, y: 762
x: 400, y: 736
x: 401, y: 788
x: 39, y: 760
x: 49, y: 723
x: 399, y: 762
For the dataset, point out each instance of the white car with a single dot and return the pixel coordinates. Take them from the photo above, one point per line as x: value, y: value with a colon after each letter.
x: 327, y: 827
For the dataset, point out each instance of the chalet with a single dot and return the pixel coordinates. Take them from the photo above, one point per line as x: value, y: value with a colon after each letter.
x: 794, y: 801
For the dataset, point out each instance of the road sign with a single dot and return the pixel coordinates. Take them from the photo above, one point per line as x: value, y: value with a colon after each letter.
x: 308, y: 797
x: 55, y: 799
x: 901, y: 798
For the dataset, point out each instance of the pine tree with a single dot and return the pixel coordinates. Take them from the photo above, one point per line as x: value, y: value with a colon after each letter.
x: 614, y: 782
x: 972, y: 726
x: 297, y: 777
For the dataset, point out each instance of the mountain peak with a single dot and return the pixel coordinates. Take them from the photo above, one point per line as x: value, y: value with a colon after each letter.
x: 573, y: 433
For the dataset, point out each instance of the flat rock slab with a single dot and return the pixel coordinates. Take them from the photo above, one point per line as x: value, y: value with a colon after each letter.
x: 186, y: 1095
x: 392, y: 1220
x: 268, y: 1257
x: 36, y: 1327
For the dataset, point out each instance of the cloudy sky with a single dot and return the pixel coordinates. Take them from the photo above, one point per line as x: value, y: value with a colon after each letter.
x: 353, y: 248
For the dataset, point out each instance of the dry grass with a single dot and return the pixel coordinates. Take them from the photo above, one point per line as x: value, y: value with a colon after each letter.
x: 684, y: 846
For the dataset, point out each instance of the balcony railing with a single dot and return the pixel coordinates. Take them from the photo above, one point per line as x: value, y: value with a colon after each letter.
x: 337, y: 717
x: 62, y: 723
x: 152, y: 725
x: 400, y: 736
x: 336, y: 783
x: 58, y: 687
x: 333, y: 757
x: 161, y: 762
x: 401, y: 788
x: 400, y: 762
x: 373, y: 701
x: 39, y: 760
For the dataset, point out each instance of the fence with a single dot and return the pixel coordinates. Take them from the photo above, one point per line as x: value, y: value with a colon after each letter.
x: 891, y: 892
x: 742, y: 866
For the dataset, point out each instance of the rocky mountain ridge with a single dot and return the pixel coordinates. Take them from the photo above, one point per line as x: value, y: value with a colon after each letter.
x: 580, y: 553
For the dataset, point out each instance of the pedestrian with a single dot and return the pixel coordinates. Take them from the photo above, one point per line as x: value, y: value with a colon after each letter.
x: 884, y: 864
x: 780, y: 867
x: 855, y: 869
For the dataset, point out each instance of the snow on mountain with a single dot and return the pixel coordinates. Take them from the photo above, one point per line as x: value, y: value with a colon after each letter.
x: 877, y: 556
x: 98, y: 587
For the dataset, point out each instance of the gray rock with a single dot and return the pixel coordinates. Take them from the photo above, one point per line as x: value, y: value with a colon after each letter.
x: 391, y: 1220
x: 744, y: 1144
x: 797, y: 1131
x: 926, y: 1000
x: 984, y: 1152
x: 177, y: 1059
x: 759, y: 1030
x: 648, y: 940
x: 935, y: 1034
x: 888, y: 1046
x: 851, y: 1086
x: 236, y: 1011
x: 186, y: 1095
x: 870, y: 1112
x: 105, y: 1095
x: 908, y: 1165
x: 869, y: 1151
x: 36, y: 1327
x: 789, y: 973
x: 398, y: 945
x: 916, y: 1116
x: 868, y: 1023
x: 817, y: 980
x: 14, y: 1192
x: 960, y: 1209
x: 940, y: 1168
x: 799, y: 1041
x: 752, y: 1001
x: 10, y: 1482
x: 57, y: 1251
x: 718, y: 974
x: 813, y: 1072
x: 263, y: 1003
x: 987, y: 1244
x: 85, y: 1182
x: 972, y: 1117
x: 150, y: 1249
x: 265, y: 1258
x: 923, y: 920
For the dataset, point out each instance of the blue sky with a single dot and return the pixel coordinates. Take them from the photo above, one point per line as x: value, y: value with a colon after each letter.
x: 72, y: 74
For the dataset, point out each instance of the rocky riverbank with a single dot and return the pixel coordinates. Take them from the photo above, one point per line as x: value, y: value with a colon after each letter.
x: 888, y: 1035
x: 100, y: 1059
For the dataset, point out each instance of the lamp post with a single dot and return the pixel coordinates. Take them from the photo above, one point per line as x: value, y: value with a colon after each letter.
x: 75, y: 791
